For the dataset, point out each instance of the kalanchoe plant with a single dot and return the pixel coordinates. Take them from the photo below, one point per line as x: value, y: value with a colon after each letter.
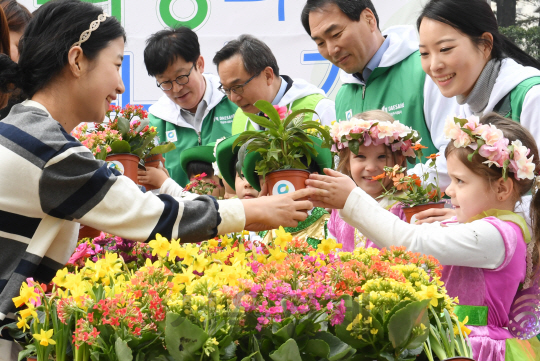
x: 199, y: 184
x: 411, y: 190
x: 138, y: 137
x: 284, y: 140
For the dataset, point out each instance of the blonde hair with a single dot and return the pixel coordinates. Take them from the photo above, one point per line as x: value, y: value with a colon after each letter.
x: 345, y: 154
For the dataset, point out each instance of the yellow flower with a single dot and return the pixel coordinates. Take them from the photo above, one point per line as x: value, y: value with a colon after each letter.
x: 176, y: 250
x: 45, y: 337
x: 239, y: 257
x: 26, y: 294
x: 462, y: 326
x: 328, y: 245
x: 61, y: 277
x: 22, y: 324
x: 374, y: 331
x: 30, y: 311
x: 191, y: 251
x: 160, y: 245
x: 430, y: 292
x: 225, y: 241
x: 199, y: 263
x: 213, y: 243
x: 276, y: 255
x: 282, y: 237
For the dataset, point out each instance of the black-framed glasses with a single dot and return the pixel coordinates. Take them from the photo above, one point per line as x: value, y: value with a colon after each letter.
x: 181, y: 80
x: 236, y: 89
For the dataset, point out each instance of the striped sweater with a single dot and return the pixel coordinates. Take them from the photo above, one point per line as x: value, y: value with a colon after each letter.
x: 50, y: 183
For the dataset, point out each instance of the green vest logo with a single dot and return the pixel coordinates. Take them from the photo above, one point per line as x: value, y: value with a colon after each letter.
x: 114, y: 6
x: 197, y: 18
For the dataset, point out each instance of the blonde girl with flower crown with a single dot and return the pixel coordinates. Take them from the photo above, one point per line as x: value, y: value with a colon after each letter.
x: 487, y: 250
x: 382, y: 145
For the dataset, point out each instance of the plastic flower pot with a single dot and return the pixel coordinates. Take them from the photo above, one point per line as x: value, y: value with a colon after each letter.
x: 411, y: 211
x: 152, y: 161
x: 86, y: 231
x: 128, y: 164
x: 286, y: 181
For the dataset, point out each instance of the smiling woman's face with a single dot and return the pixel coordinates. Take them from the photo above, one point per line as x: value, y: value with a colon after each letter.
x: 451, y: 58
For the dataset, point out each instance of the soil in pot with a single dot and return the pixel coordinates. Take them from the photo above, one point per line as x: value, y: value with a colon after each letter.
x: 286, y: 181
x: 128, y: 164
x: 411, y: 211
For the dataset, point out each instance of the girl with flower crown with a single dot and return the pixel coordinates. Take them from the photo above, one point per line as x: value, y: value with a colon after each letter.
x: 381, y: 146
x: 486, y: 249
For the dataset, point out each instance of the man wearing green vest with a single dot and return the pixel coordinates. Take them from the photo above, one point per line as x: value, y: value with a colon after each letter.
x: 249, y: 72
x: 192, y: 111
x: 380, y: 71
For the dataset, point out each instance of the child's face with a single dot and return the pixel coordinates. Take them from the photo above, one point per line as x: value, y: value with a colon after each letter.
x: 243, y: 189
x: 470, y: 193
x: 370, y: 162
x: 229, y: 191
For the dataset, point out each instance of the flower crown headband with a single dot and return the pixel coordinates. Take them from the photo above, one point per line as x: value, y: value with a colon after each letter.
x: 93, y: 27
x: 490, y: 143
x: 356, y: 132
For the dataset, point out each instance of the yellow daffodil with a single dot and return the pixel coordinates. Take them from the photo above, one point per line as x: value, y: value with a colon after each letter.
x: 431, y: 293
x: 44, y: 337
x: 213, y: 243
x: 26, y: 294
x: 200, y: 263
x: 282, y: 237
x: 328, y: 245
x: 160, y: 246
x: 23, y: 324
x: 238, y: 257
x: 61, y: 277
x: 176, y: 250
x: 225, y: 241
x: 30, y: 311
x: 462, y: 326
x: 276, y: 255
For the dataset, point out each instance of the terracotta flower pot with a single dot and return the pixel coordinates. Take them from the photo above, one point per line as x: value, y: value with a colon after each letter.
x: 128, y: 164
x: 86, y: 231
x: 411, y: 211
x: 286, y: 181
x: 152, y: 161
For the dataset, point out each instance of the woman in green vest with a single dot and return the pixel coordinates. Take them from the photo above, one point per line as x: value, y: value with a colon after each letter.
x: 463, y: 52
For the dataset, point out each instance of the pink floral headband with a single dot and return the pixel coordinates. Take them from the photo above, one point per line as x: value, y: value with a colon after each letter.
x: 490, y: 143
x: 356, y: 132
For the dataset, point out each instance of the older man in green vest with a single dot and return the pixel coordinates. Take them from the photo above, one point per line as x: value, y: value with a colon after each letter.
x: 249, y: 72
x: 380, y: 70
x: 192, y: 110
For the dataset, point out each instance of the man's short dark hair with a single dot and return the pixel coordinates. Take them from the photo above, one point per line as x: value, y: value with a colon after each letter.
x: 166, y: 46
x: 256, y: 55
x: 351, y: 8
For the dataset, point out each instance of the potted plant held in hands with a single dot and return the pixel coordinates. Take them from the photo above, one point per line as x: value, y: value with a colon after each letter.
x: 137, y: 139
x: 414, y: 192
x: 286, y: 139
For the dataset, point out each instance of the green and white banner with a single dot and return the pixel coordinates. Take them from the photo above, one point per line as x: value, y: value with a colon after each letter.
x: 276, y: 22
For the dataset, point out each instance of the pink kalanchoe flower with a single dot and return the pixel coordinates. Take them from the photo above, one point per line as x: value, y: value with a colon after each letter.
x: 282, y: 111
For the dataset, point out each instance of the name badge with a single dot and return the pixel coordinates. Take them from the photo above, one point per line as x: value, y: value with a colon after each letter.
x: 171, y: 136
x: 348, y: 114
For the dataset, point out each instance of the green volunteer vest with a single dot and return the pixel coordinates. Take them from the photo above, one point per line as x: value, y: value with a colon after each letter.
x: 511, y: 105
x: 398, y: 90
x: 308, y: 102
x: 217, y: 124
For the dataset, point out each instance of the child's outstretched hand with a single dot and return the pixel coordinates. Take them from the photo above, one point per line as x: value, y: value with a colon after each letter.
x: 332, y: 190
x: 153, y: 176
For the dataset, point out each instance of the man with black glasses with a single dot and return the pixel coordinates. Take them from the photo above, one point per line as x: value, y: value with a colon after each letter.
x: 248, y: 72
x: 192, y: 111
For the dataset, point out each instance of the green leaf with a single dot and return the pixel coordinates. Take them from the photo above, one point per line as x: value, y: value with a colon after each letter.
x: 396, y: 308
x: 183, y: 339
x: 318, y: 348
x: 249, y: 358
x: 123, y: 352
x: 28, y: 351
x: 227, y: 348
x: 287, y: 352
x: 354, y: 146
x: 284, y: 334
x: 123, y: 126
x: 401, y: 325
x: 120, y: 146
x: 296, y: 113
x: 338, y: 348
x: 268, y: 109
x: 163, y: 148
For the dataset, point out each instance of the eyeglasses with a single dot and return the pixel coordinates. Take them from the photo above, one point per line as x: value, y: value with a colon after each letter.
x: 181, y: 80
x: 237, y: 89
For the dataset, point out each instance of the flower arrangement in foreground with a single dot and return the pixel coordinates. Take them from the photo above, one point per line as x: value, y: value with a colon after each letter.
x: 230, y: 299
x: 199, y: 184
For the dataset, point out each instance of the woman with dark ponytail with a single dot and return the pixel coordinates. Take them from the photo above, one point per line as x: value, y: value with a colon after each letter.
x: 69, y: 69
x: 464, y: 53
